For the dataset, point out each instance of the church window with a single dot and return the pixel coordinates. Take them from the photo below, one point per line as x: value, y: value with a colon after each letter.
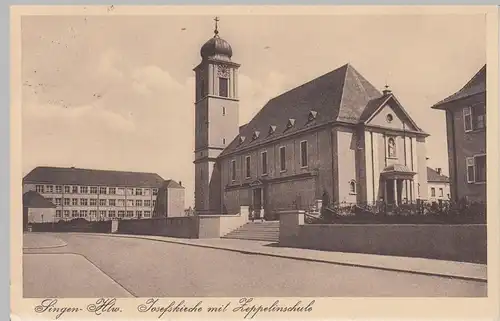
x: 223, y: 87
x: 391, y: 148
x: 223, y: 141
x: 352, y: 187
x: 303, y: 153
x: 283, y: 158
x: 389, y: 118
x: 247, y: 165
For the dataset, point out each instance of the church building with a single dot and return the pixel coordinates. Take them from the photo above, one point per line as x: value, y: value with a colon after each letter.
x: 336, y: 135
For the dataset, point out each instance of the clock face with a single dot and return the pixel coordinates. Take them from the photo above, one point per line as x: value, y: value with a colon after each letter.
x: 222, y: 71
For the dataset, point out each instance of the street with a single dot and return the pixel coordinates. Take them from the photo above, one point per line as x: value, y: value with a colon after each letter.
x: 94, y: 265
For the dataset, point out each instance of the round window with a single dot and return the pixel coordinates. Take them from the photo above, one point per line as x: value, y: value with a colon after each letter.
x: 389, y: 118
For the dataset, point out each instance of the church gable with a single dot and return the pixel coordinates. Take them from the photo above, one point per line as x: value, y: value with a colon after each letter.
x: 390, y: 114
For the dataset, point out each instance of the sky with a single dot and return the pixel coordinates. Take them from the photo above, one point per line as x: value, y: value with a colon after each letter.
x: 117, y: 92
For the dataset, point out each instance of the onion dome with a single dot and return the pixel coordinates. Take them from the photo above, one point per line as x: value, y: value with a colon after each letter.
x: 216, y: 47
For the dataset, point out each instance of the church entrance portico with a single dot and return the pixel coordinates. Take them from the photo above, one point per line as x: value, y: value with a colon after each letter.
x: 258, y: 199
x: 398, y: 184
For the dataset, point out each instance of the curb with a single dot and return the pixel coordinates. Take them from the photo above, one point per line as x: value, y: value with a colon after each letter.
x: 45, y: 247
x: 250, y: 252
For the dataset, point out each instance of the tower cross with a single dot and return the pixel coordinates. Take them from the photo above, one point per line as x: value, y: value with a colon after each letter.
x: 216, y: 31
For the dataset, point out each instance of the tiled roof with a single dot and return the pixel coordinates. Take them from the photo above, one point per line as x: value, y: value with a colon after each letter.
x: 400, y: 168
x: 475, y: 86
x: 172, y: 184
x: 79, y: 176
x: 341, y: 95
x: 434, y: 176
x: 33, y: 199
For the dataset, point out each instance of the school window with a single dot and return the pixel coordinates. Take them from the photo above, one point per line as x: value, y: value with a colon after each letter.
x: 120, y: 191
x: 58, y: 213
x: 121, y: 203
x: 138, y: 191
x: 74, y: 213
x: 138, y: 202
x: 103, y: 190
x: 84, y: 189
x: 93, y: 190
x: 352, y: 187
x: 39, y: 188
x: 130, y: 191
x: 282, y: 158
x: 75, y: 190
x: 155, y: 191
x: 83, y: 213
x: 441, y: 193
x: 50, y: 189
x: 74, y: 201
x: 112, y: 202
x: 303, y: 153
x: 223, y: 86
x: 130, y: 213
x: 58, y: 189
x: 147, y: 191
x: 102, y: 214
x: 112, y: 213
x: 147, y: 213
x: 67, y: 189
x: 247, y: 166
x: 480, y: 168
x: 233, y: 170
x: 138, y: 214
x: 154, y: 203
x: 93, y: 213
x: 121, y: 214
x: 433, y: 192
x: 263, y: 158
x: 102, y: 202
x: 84, y: 201
x: 391, y: 148
x: 93, y: 202
x: 112, y: 190
x: 147, y: 203
x: 66, y: 213
x: 67, y: 201
x: 130, y: 203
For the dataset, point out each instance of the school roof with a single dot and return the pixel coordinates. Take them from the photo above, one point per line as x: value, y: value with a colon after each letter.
x: 342, y: 95
x: 477, y: 85
x: 33, y: 199
x: 94, y: 177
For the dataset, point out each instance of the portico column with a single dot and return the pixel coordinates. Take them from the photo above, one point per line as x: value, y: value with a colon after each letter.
x: 385, y: 191
x: 395, y: 192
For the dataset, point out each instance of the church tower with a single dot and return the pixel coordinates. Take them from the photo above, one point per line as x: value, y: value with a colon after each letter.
x: 216, y: 118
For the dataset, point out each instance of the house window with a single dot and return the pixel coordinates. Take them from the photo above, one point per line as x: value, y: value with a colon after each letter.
x: 67, y: 189
x: 233, y: 170
x: 67, y: 201
x: 112, y: 202
x: 147, y: 203
x: 282, y: 159
x: 433, y: 192
x: 391, y: 148
x: 441, y: 193
x: 352, y: 187
x: 84, y: 201
x: 74, y: 201
x: 303, y: 153
x: 93, y: 190
x: 84, y: 189
x: 58, y: 189
x: 470, y: 169
x: 66, y: 213
x: 39, y: 188
x: 480, y: 168
x: 263, y: 158
x: 247, y: 166
x: 50, y: 189
x: 75, y: 190
x: 112, y: 190
x: 102, y: 202
x: 474, y: 117
x: 138, y: 202
x: 93, y: 201
x: 223, y: 87
x: 103, y: 190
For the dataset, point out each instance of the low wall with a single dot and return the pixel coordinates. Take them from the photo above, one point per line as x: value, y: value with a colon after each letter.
x: 466, y: 243
x: 185, y: 227
x: 214, y: 226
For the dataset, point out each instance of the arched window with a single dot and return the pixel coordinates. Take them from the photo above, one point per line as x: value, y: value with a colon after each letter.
x: 352, y: 187
x: 391, y: 148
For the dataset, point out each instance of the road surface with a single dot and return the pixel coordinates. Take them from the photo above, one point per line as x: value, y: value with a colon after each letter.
x: 94, y: 266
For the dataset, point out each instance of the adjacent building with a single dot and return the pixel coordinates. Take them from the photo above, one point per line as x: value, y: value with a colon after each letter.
x: 438, y: 185
x: 336, y: 134
x: 37, y: 209
x: 466, y: 138
x: 104, y: 194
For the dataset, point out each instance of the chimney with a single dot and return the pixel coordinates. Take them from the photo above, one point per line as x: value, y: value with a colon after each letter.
x: 180, y: 183
x: 438, y: 170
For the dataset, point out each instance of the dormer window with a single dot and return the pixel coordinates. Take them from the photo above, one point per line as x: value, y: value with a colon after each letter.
x: 290, y: 124
x: 272, y: 129
x: 312, y: 115
x: 255, y: 135
x: 242, y: 139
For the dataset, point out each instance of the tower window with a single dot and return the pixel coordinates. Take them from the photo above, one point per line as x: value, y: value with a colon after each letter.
x: 223, y: 87
x: 223, y: 141
x: 352, y: 187
x: 223, y: 111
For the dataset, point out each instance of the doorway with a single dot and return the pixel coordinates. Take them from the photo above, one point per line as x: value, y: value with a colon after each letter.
x: 389, y: 192
x: 257, y: 202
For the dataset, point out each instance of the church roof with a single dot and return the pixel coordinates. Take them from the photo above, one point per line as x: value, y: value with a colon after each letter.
x: 476, y: 85
x: 342, y: 95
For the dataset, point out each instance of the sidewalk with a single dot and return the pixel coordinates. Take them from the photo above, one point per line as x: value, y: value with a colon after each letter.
x: 451, y: 269
x: 35, y: 240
